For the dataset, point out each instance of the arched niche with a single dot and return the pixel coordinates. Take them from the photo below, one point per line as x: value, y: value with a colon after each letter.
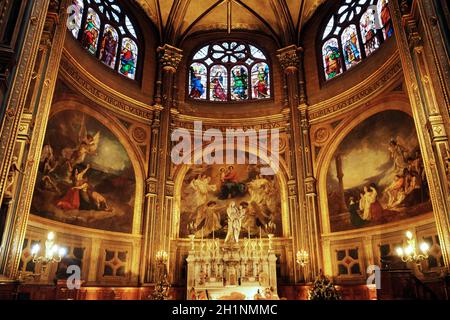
x: 112, y: 199
x: 381, y: 118
x: 184, y: 174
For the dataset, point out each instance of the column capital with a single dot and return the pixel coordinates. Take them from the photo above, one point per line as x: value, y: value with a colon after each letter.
x: 290, y: 58
x: 170, y: 57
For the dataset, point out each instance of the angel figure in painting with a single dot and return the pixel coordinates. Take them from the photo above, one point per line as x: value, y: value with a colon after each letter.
x: 87, y: 145
x: 48, y: 165
x: 202, y: 187
x: 209, y: 216
x: 235, y: 217
x: 398, y: 155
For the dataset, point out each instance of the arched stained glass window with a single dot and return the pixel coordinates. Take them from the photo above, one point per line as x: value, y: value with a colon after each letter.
x: 229, y: 71
x: 106, y: 31
x: 353, y: 32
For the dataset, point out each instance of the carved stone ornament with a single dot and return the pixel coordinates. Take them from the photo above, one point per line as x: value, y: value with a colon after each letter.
x: 170, y: 57
x: 289, y: 58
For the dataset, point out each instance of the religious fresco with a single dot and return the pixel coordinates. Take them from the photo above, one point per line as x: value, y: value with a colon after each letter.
x: 376, y: 175
x: 85, y: 176
x: 211, y: 192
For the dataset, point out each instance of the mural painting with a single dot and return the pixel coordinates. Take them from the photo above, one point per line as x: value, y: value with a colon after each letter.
x: 210, y: 191
x: 376, y: 174
x: 85, y: 176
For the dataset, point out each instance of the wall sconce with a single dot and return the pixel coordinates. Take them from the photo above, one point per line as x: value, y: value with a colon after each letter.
x: 53, y: 253
x: 302, y: 258
x: 161, y: 291
x: 161, y: 257
x: 409, y: 253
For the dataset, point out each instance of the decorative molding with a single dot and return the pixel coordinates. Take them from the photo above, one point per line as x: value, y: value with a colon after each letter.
x: 97, y: 91
x: 361, y: 94
x: 271, y: 122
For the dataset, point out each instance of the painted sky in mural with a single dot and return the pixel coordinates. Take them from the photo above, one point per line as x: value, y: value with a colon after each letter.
x: 376, y: 175
x: 85, y: 175
x: 209, y: 190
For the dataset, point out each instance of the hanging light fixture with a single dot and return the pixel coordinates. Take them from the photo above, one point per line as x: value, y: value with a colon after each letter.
x: 409, y: 253
x: 53, y: 253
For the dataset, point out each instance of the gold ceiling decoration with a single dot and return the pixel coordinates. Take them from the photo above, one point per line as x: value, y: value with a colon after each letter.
x: 281, y: 19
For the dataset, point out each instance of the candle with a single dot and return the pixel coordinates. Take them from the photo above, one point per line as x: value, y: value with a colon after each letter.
x: 249, y: 232
x: 260, y: 234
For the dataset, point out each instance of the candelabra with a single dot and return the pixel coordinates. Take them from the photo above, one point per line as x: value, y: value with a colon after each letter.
x: 302, y: 258
x: 409, y: 253
x: 53, y: 253
x: 162, y: 287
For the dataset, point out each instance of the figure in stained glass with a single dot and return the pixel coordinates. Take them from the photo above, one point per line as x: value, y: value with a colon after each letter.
x: 218, y: 87
x: 109, y: 47
x: 332, y: 59
x: 386, y: 19
x: 239, y: 83
x: 128, y: 58
x: 369, y: 31
x: 352, y: 55
x: 197, y: 88
x: 261, y: 87
x: 91, y: 30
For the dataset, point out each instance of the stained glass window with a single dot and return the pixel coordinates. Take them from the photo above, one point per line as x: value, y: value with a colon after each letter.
x: 106, y: 31
x: 355, y: 30
x: 229, y: 71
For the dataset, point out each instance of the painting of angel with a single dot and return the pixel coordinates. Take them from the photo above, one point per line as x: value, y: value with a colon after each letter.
x: 85, y: 176
x: 209, y: 191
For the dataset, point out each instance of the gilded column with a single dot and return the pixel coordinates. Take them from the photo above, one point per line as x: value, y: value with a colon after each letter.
x: 160, y: 185
x: 33, y: 117
x: 303, y: 223
x: 15, y: 98
x: 429, y: 102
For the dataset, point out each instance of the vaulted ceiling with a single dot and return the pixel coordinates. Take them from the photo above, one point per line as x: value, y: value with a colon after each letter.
x: 281, y: 19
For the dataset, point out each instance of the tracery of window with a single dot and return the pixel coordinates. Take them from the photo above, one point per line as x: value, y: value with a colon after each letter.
x: 353, y: 32
x: 106, y: 31
x: 229, y: 71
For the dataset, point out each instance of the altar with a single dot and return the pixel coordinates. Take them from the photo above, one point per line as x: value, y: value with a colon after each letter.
x: 243, y: 270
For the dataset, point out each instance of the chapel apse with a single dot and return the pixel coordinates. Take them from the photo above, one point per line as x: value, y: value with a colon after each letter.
x: 376, y: 175
x: 208, y: 190
x: 85, y: 175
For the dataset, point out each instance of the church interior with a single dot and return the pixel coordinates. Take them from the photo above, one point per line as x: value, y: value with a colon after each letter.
x: 224, y: 150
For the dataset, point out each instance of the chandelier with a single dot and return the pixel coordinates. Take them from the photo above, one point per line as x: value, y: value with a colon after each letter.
x: 302, y: 258
x: 53, y: 253
x: 409, y: 253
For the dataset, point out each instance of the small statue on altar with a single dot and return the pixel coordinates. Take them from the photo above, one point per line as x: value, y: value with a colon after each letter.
x: 258, y: 296
x: 235, y: 217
